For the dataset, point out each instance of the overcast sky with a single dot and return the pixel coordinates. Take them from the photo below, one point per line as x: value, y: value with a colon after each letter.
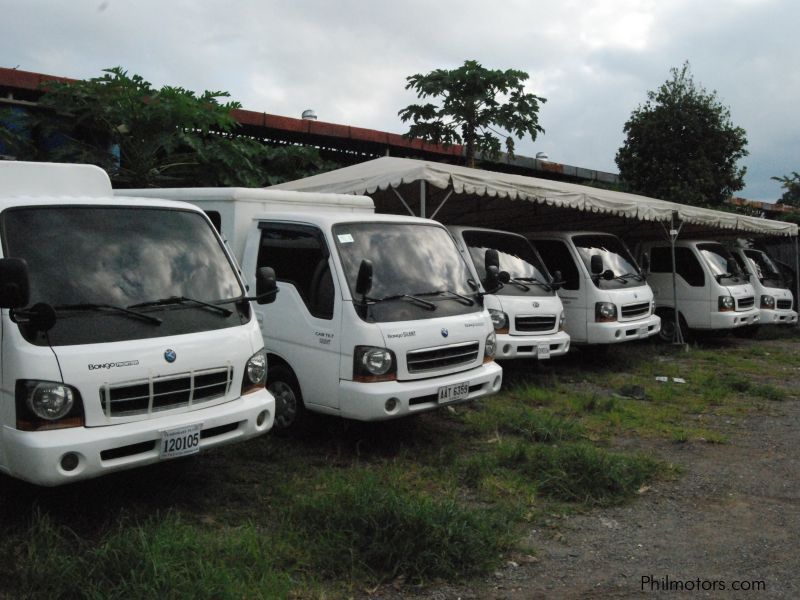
x: 593, y: 61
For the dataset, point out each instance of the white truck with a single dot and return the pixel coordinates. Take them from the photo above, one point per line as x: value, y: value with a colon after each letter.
x: 772, y: 293
x: 127, y: 334
x: 526, y: 311
x: 377, y: 316
x: 606, y: 298
x: 713, y: 294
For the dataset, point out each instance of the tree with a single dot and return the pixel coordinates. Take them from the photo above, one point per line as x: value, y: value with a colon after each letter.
x: 682, y: 146
x: 146, y: 137
x: 791, y: 184
x: 472, y: 110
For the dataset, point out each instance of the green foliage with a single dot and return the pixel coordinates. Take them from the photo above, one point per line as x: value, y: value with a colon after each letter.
x: 791, y: 184
x: 147, y: 137
x: 681, y: 145
x: 375, y: 529
x: 476, y: 106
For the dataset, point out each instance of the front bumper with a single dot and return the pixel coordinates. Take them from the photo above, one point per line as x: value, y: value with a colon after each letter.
x: 35, y: 456
x: 368, y: 401
x: 623, y: 331
x: 531, y: 346
x: 777, y: 317
x: 735, y: 319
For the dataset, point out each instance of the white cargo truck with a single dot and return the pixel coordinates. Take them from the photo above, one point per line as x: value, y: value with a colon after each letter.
x: 605, y: 295
x: 772, y: 293
x: 526, y: 311
x: 713, y: 294
x: 377, y: 316
x: 127, y: 334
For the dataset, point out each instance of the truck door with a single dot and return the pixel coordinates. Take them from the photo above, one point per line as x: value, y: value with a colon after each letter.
x: 557, y: 257
x: 303, y: 324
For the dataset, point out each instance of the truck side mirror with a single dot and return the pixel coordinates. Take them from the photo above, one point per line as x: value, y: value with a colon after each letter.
x: 596, y: 263
x: 364, y: 279
x: 491, y: 259
x: 558, y: 281
x: 266, y: 285
x: 15, y: 287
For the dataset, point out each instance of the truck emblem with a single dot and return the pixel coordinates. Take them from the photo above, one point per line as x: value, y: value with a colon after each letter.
x: 170, y: 356
x: 535, y: 304
x: 445, y: 333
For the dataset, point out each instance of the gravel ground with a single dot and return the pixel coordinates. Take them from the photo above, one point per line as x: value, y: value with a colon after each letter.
x: 730, y: 519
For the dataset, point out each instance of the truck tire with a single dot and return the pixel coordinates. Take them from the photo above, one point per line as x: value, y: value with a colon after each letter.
x: 289, y: 407
x: 667, y: 332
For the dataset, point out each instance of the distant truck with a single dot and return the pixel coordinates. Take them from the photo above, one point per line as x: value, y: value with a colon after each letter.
x: 713, y: 293
x: 127, y: 334
x: 772, y: 293
x: 606, y: 297
x: 378, y: 316
x: 526, y: 311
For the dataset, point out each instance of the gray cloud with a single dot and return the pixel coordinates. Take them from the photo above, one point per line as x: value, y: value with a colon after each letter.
x: 594, y: 62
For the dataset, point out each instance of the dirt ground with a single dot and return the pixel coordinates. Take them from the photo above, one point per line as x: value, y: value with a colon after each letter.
x: 730, y: 520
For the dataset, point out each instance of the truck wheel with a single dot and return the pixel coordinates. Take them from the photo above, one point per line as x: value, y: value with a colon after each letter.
x: 289, y: 408
x: 667, y: 331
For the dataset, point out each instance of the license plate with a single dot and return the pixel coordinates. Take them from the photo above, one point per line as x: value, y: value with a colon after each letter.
x: 643, y: 331
x: 451, y: 393
x: 181, y: 441
x: 543, y: 351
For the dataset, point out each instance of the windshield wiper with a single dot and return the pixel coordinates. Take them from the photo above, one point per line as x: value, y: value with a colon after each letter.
x: 119, y: 309
x: 184, y: 300
x: 625, y: 276
x: 466, y: 300
x: 419, y: 301
x: 543, y: 284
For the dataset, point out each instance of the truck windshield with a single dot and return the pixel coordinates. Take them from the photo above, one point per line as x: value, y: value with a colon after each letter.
x: 517, y: 257
x: 408, y: 259
x: 765, y: 269
x: 84, y: 259
x: 616, y: 259
x: 716, y: 256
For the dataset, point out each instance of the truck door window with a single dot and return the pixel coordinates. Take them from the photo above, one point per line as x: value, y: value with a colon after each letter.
x: 300, y: 258
x: 688, y: 266
x: 557, y: 258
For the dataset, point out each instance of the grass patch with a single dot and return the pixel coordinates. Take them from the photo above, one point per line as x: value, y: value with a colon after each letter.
x: 373, y: 529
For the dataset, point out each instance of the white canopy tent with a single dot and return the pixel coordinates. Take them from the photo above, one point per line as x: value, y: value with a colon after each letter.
x: 460, y: 195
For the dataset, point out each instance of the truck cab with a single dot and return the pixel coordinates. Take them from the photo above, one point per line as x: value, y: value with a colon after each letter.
x: 526, y: 311
x: 713, y: 293
x: 127, y: 334
x: 605, y: 295
x: 773, y: 296
x: 378, y: 316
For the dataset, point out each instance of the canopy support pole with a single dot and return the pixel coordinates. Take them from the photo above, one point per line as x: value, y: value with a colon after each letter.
x: 674, y: 232
x: 422, y: 198
x: 797, y: 272
x: 399, y: 197
x: 433, y: 216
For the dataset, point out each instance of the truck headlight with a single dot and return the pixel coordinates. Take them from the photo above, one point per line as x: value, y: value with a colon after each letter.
x: 605, y: 312
x: 726, y: 303
x: 372, y: 363
x: 499, y: 320
x: 767, y: 301
x: 490, y: 347
x: 47, y: 405
x: 255, y: 372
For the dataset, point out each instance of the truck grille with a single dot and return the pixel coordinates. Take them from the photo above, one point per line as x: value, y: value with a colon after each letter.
x: 784, y: 304
x: 745, y: 302
x: 147, y: 396
x: 631, y: 311
x: 441, y: 357
x: 535, y: 323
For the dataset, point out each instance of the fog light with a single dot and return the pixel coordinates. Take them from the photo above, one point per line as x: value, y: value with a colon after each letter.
x: 262, y: 417
x: 618, y: 333
x: 506, y: 348
x: 70, y: 461
x: 391, y: 405
x: 497, y: 381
